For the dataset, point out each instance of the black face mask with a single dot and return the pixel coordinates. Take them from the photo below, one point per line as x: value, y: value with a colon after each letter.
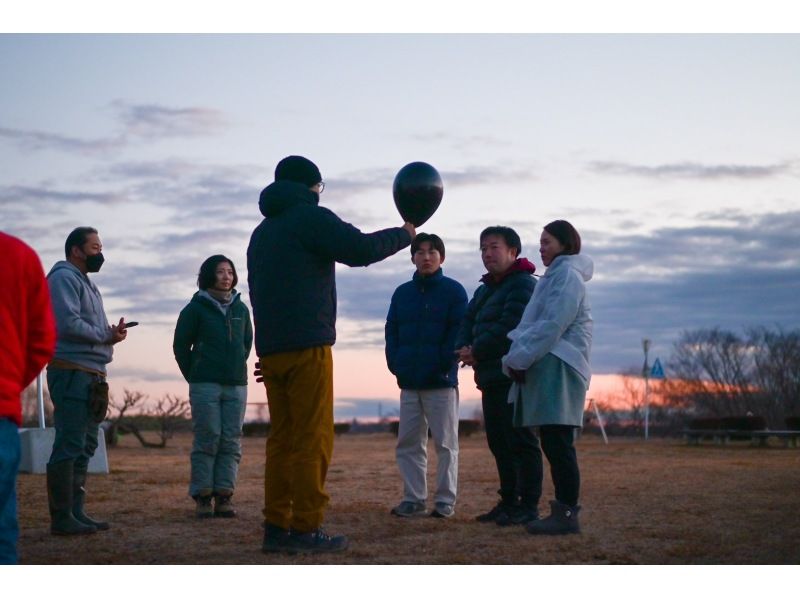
x: 93, y: 262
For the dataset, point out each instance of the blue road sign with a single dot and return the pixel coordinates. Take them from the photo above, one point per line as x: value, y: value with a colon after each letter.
x: 657, y: 373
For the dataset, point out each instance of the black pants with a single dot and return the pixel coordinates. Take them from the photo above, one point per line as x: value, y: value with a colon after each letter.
x: 516, y: 450
x: 558, y: 447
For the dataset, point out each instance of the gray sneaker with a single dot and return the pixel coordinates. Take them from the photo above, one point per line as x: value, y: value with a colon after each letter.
x: 408, y: 508
x: 443, y: 510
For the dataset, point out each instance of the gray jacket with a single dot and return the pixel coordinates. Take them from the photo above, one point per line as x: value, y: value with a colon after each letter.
x: 83, y: 333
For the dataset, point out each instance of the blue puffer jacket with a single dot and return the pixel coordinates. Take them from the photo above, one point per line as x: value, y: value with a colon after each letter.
x: 421, y: 328
x: 291, y: 267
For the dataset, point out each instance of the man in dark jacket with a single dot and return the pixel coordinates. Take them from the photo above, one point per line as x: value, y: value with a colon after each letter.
x: 424, y: 316
x: 291, y: 272
x: 495, y: 310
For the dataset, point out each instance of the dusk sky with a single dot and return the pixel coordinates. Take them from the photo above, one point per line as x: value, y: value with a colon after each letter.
x: 675, y: 156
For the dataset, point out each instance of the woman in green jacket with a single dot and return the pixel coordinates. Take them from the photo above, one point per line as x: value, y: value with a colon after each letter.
x: 212, y: 341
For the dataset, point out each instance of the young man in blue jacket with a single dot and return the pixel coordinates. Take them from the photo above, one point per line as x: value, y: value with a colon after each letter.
x: 421, y: 329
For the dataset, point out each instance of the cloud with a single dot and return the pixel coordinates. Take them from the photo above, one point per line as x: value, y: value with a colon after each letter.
x: 135, y: 123
x: 382, y: 179
x: 28, y: 195
x: 692, y: 170
x: 461, y: 141
x: 41, y: 140
x: 485, y: 175
x: 156, y: 121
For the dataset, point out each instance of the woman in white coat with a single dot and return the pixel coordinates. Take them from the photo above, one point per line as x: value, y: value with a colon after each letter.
x: 549, y: 363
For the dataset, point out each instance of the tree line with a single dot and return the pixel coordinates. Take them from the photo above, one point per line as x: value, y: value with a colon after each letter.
x: 718, y: 373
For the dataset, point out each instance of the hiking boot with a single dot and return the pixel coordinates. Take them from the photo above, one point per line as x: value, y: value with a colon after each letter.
x: 315, y: 542
x: 442, y: 510
x: 223, y: 506
x: 276, y: 539
x: 60, y: 498
x: 518, y: 515
x: 494, y: 513
x: 563, y: 519
x: 409, y: 508
x: 78, y: 500
x: 203, y: 507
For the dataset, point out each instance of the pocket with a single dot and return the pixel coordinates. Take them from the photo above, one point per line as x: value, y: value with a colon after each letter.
x: 98, y: 399
x: 76, y: 386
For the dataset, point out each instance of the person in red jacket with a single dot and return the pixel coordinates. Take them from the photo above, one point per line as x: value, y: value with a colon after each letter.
x: 28, y: 330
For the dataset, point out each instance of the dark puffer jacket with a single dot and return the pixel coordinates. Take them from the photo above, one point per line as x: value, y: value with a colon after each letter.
x: 494, y: 311
x: 210, y: 346
x: 421, y: 328
x: 291, y: 267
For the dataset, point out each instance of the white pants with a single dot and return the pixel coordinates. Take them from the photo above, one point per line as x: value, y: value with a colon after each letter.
x: 419, y: 409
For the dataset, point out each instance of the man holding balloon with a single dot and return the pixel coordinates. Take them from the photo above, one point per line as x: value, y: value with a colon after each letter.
x: 291, y: 273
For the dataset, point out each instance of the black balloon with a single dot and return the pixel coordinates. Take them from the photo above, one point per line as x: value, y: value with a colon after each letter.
x: 417, y: 192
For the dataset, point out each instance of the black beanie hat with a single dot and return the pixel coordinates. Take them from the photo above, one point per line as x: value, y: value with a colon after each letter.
x: 299, y: 170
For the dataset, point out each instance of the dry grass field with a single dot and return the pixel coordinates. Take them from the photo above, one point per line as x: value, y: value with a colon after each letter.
x: 654, y: 503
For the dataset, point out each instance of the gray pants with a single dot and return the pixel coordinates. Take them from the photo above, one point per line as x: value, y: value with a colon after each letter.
x: 76, y: 430
x: 217, y: 417
x: 419, y: 409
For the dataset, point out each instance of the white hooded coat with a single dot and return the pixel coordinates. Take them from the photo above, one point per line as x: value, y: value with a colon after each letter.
x: 557, y: 319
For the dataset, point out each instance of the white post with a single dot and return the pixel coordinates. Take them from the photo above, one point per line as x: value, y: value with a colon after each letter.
x: 40, y: 398
x: 646, y: 374
x: 599, y: 420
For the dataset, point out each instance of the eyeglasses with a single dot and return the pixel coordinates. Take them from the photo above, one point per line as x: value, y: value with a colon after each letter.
x: 321, y: 186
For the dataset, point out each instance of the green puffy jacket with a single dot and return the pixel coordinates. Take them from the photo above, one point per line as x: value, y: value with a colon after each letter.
x: 210, y: 346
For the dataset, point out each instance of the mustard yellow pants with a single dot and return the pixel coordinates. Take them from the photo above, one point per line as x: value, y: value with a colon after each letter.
x: 300, y: 444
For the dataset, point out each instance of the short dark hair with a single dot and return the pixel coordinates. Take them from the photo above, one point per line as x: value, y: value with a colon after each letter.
x: 77, y: 238
x: 434, y: 240
x: 509, y: 235
x: 207, y: 277
x: 566, y: 235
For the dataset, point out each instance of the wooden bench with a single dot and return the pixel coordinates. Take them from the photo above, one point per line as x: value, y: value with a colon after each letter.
x: 787, y: 437
x: 756, y: 437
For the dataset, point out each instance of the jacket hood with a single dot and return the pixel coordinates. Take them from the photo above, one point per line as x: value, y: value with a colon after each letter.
x: 521, y: 264
x: 582, y: 264
x: 65, y: 265
x: 203, y: 295
x: 282, y: 195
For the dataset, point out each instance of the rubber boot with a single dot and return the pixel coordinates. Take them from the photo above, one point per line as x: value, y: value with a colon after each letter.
x: 563, y: 519
x: 78, y: 500
x: 60, y: 500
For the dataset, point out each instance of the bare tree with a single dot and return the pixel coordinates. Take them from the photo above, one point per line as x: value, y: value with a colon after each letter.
x: 169, y: 413
x: 720, y: 373
x: 777, y: 369
x: 716, y: 367
x: 117, y: 412
x: 633, y: 397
